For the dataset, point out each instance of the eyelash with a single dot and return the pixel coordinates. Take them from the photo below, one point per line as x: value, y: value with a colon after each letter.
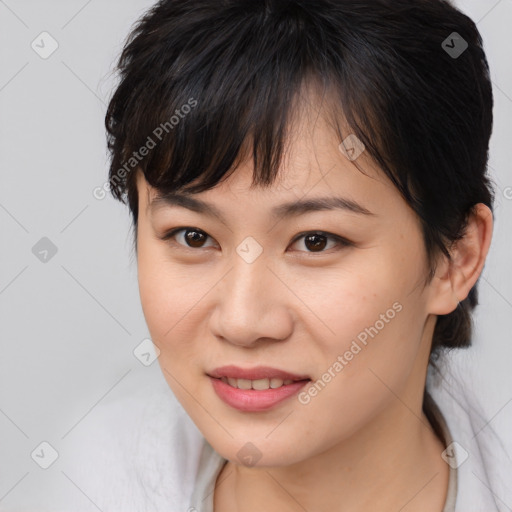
x: 342, y: 242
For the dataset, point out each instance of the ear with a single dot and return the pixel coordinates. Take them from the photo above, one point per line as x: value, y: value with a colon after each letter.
x: 454, y: 279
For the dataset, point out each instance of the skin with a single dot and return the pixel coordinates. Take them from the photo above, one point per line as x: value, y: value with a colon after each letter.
x: 363, y: 439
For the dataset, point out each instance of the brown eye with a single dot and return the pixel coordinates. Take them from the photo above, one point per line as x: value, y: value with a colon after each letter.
x: 316, y: 242
x: 193, y: 238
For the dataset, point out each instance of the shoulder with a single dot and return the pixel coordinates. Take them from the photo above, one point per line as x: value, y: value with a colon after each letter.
x: 478, y: 452
x: 137, y: 451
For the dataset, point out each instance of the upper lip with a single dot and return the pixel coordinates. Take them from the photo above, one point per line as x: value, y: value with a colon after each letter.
x: 255, y: 373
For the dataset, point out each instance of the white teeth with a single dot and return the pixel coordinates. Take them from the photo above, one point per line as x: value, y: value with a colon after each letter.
x: 276, y: 383
x: 259, y: 384
x: 244, y: 384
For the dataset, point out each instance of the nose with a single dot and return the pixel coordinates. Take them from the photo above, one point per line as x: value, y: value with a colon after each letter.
x: 252, y: 304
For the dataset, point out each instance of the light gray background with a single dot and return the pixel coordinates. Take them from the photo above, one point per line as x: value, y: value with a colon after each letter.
x: 69, y: 326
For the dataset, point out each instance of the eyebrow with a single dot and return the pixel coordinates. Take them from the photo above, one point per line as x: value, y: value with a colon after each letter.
x: 290, y: 209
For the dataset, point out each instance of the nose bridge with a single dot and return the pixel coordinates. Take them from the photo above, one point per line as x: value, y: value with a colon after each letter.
x: 248, y: 305
x: 244, y: 287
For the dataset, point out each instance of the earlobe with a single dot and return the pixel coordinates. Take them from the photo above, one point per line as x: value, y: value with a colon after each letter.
x: 454, y: 278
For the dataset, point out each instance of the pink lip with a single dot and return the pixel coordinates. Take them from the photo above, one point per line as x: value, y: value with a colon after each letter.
x: 258, y: 372
x: 252, y: 400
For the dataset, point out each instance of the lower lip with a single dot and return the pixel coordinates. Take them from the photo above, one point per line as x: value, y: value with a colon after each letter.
x: 252, y: 400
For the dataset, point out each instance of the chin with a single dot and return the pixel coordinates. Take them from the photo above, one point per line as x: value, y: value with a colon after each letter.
x: 258, y: 453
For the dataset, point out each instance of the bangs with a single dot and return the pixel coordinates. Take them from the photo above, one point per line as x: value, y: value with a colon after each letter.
x: 221, y: 94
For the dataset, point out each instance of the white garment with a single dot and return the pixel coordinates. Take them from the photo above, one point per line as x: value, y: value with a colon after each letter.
x: 485, y: 476
x: 136, y: 453
x: 143, y: 453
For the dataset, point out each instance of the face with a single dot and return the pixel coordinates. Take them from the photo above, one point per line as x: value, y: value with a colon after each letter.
x: 334, y: 295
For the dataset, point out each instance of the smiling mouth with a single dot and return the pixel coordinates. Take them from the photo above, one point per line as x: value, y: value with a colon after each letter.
x: 256, y: 395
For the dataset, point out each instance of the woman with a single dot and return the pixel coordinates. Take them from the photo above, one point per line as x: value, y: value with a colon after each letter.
x: 307, y: 182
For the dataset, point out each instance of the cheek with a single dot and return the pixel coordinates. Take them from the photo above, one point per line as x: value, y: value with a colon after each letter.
x: 367, y: 361
x: 371, y: 317
x: 351, y: 298
x: 172, y: 298
x: 158, y: 291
